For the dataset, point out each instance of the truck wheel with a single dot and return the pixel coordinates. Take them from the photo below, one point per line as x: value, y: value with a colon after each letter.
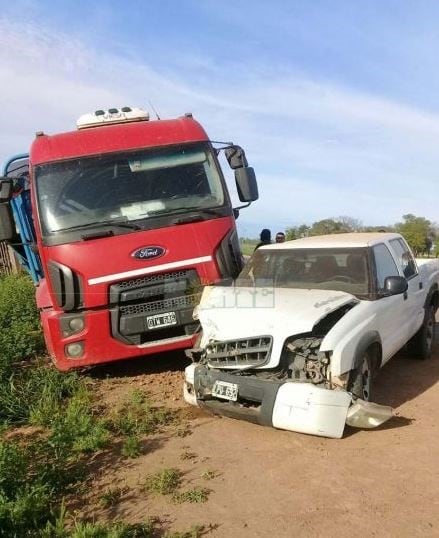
x: 421, y: 345
x: 361, y: 378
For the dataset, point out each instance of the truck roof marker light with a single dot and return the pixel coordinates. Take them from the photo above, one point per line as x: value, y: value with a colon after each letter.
x: 125, y: 114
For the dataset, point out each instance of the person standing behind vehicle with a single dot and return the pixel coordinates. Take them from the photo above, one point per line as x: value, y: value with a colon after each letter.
x: 265, y: 238
x: 280, y: 237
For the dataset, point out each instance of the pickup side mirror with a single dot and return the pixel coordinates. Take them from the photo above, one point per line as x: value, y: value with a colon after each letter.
x: 5, y: 189
x: 236, y: 158
x: 395, y: 285
x: 246, y: 184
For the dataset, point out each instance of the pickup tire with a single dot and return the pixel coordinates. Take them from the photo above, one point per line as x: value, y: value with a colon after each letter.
x: 421, y: 345
x: 360, y: 382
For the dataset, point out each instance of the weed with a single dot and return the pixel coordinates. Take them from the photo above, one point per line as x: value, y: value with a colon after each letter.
x: 137, y: 416
x: 188, y: 455
x: 209, y: 475
x: 183, y: 431
x: 195, y: 532
x: 20, y: 335
x: 34, y: 393
x: 194, y: 495
x: 165, y: 482
x: 112, y: 496
x: 131, y: 447
x: 113, y: 530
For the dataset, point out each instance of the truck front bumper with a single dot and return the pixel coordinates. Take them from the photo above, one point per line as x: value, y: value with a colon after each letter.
x: 300, y: 407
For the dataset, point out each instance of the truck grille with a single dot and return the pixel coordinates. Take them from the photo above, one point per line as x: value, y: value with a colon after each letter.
x: 174, y: 293
x: 243, y: 352
x: 158, y: 278
x: 161, y: 306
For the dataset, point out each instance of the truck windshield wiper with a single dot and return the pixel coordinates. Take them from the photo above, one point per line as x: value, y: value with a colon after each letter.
x: 206, y: 210
x: 116, y: 223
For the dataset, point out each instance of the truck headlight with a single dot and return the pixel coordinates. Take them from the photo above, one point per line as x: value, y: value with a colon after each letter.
x: 74, y: 350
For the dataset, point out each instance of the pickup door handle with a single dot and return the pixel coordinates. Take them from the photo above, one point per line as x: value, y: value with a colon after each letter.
x: 421, y: 285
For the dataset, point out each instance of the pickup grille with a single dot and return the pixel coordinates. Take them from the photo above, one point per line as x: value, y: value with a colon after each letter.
x: 243, y: 352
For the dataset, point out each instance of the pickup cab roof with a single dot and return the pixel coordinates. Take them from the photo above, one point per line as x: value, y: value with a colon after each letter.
x: 348, y: 240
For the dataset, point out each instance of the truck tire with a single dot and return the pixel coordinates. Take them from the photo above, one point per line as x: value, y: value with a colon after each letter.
x: 360, y: 382
x: 421, y: 345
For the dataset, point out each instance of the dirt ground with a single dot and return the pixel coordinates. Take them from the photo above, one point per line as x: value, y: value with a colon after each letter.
x: 382, y: 482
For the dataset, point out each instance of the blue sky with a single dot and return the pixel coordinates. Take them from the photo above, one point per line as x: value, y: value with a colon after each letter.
x: 336, y: 102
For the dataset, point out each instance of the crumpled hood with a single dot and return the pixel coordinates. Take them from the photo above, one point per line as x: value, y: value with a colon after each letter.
x: 230, y: 313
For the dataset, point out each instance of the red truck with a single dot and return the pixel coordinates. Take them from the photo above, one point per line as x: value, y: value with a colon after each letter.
x: 131, y: 218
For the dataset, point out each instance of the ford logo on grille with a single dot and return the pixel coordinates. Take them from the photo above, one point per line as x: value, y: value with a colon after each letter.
x: 148, y: 253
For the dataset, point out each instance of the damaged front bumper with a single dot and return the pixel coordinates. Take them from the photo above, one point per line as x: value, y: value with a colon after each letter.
x: 287, y: 405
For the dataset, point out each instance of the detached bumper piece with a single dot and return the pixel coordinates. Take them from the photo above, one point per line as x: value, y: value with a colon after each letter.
x: 293, y: 406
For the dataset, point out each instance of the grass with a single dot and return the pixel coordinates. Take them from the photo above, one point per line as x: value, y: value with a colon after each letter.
x: 187, y: 455
x: 194, y: 495
x: 195, y: 532
x: 50, y: 427
x: 112, y: 496
x: 132, y: 447
x: 136, y: 416
x: 164, y: 482
x: 209, y: 475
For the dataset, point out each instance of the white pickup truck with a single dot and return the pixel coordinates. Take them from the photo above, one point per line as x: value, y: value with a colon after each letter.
x: 295, y: 342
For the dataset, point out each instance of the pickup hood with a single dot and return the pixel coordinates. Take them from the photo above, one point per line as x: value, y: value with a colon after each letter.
x: 231, y: 313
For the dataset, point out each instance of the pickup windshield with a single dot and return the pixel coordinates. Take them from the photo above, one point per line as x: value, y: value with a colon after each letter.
x: 328, y: 269
x: 127, y: 187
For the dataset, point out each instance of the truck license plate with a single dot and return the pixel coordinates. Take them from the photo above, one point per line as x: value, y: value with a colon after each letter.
x: 225, y: 390
x: 161, y: 320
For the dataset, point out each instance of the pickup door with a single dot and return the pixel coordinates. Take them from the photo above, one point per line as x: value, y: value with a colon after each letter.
x: 398, y: 315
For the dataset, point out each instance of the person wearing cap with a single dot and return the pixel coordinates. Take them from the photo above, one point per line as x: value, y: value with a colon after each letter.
x: 280, y: 237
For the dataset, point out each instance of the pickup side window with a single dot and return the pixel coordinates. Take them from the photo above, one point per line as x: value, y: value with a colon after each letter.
x: 404, y: 257
x: 385, y: 264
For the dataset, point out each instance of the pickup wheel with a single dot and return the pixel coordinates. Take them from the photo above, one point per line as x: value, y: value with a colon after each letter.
x: 421, y: 345
x: 360, y: 382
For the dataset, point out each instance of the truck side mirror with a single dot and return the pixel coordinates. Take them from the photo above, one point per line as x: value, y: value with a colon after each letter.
x: 246, y: 184
x: 7, y: 226
x: 236, y: 158
x: 5, y: 189
x: 395, y: 285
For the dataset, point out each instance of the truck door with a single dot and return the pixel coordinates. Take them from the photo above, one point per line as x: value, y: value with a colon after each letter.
x: 391, y: 311
x: 415, y: 293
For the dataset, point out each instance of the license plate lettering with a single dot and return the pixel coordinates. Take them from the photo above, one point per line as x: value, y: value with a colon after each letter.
x: 225, y: 390
x: 161, y: 320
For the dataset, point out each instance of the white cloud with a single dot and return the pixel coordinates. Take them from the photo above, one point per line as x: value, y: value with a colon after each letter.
x: 319, y: 149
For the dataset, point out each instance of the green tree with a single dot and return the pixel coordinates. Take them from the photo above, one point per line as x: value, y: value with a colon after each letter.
x: 296, y: 232
x: 329, y: 226
x: 417, y: 231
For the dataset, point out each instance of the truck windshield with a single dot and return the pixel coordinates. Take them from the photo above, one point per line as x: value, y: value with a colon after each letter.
x: 127, y: 187
x: 329, y: 269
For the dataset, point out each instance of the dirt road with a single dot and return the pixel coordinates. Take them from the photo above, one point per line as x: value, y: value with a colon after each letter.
x: 266, y: 482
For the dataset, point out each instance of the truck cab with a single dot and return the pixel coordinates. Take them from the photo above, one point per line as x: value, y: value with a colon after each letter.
x: 129, y: 219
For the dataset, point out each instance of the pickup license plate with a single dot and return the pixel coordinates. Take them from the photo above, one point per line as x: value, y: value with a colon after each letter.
x: 161, y: 320
x: 225, y: 390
